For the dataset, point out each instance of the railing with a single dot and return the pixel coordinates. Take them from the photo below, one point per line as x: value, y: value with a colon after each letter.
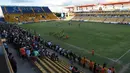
x: 6, y: 58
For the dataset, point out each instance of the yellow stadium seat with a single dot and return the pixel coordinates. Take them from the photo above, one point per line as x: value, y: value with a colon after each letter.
x: 46, y: 66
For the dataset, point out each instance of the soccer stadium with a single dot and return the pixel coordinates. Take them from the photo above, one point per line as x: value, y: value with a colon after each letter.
x: 65, y: 37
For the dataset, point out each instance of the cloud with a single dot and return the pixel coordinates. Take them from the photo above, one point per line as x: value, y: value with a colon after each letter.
x: 21, y: 1
x: 51, y: 2
x: 116, y: 0
x: 65, y: 2
x: 54, y: 5
x: 81, y: 2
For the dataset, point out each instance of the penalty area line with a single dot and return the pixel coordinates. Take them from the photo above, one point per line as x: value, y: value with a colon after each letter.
x: 122, y: 55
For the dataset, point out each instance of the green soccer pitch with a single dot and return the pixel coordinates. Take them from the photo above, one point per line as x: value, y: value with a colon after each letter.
x: 111, y: 42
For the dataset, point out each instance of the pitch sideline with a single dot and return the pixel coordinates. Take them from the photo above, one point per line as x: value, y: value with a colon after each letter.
x: 79, y: 48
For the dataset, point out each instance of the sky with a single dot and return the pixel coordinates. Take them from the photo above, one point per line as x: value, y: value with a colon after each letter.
x: 54, y: 5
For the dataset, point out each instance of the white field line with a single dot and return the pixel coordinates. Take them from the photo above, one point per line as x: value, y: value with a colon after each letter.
x: 83, y: 49
x: 122, y: 55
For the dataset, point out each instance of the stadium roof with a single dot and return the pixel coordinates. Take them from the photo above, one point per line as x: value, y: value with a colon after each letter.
x: 116, y: 3
x: 70, y: 7
x: 91, y: 5
x: 88, y: 5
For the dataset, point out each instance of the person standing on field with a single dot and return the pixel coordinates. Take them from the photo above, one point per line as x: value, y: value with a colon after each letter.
x: 79, y: 25
x: 92, y: 52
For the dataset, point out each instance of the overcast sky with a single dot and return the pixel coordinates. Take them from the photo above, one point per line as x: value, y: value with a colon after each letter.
x: 54, y: 5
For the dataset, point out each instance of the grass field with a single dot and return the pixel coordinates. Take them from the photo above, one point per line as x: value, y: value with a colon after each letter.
x: 109, y: 41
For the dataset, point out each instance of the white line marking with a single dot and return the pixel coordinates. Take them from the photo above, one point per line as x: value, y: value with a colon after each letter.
x: 83, y: 49
x: 122, y: 55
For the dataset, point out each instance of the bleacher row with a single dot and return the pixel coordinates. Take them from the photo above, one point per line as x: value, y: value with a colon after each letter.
x: 107, y: 12
x: 101, y: 18
x: 18, y: 14
x: 46, y: 65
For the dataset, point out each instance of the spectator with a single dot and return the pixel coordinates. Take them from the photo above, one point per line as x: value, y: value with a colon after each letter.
x: 49, y: 44
x: 71, y: 62
x: 113, y: 69
x: 94, y: 68
x: 28, y: 52
x: 10, y: 56
x: 23, y: 53
x: 13, y: 64
x: 109, y: 70
x: 79, y: 59
x: 36, y: 53
x: 104, y: 65
x: 70, y: 68
x: 60, y: 50
x: 98, y: 68
x: 56, y: 57
x: 53, y: 56
x: 83, y: 62
x: 6, y: 47
x: 90, y: 65
x: 75, y: 70
x: 103, y: 70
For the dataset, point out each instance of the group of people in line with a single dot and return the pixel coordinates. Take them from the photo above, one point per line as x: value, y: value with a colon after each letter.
x: 30, y: 46
x: 83, y: 61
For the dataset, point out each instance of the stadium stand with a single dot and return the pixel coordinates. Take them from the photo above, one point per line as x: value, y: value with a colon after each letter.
x: 97, y: 19
x: 104, y: 16
x: 59, y: 66
x: 2, y: 19
x: 53, y: 66
x: 103, y: 12
x: 111, y: 19
x: 39, y: 13
x: 40, y: 67
x: 27, y: 14
x: 126, y: 20
x: 46, y: 66
x: 100, y: 19
x: 48, y: 14
x: 17, y: 14
x: 120, y: 19
x: 11, y: 13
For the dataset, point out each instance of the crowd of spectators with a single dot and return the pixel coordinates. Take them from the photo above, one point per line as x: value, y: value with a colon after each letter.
x: 31, y: 45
